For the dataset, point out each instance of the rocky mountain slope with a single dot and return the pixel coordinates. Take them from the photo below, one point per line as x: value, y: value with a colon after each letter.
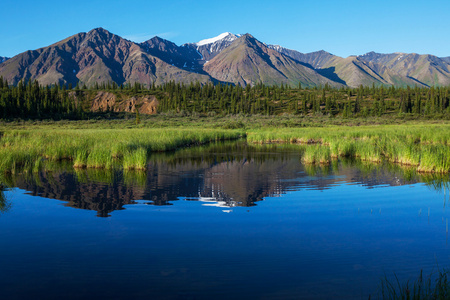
x: 3, y: 59
x: 100, y: 56
x: 352, y: 71
x: 96, y: 56
x: 248, y: 61
x: 427, y: 69
x: 355, y: 71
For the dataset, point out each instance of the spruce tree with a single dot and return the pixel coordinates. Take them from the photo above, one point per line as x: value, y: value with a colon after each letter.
x: 138, y: 117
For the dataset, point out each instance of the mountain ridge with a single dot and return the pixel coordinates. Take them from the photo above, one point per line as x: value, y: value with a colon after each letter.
x: 100, y: 56
x: 95, y: 56
x: 248, y: 61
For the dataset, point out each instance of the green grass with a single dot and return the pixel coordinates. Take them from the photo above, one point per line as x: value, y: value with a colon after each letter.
x: 317, y: 154
x: 426, y: 147
x: 135, y: 159
x: 98, y: 148
x: 434, y: 286
x: 112, y: 143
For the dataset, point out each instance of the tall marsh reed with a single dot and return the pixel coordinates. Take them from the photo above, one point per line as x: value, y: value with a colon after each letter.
x: 426, y: 147
x: 98, y: 148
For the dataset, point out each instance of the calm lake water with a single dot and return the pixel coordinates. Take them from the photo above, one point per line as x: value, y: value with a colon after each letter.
x: 221, y: 222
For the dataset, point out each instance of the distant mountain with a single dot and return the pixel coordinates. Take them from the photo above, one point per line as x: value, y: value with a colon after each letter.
x: 248, y: 61
x: 96, y: 56
x: 428, y: 69
x: 183, y: 57
x: 352, y: 71
x: 209, y: 48
x: 100, y: 56
x: 355, y: 71
x: 314, y: 59
x: 3, y: 59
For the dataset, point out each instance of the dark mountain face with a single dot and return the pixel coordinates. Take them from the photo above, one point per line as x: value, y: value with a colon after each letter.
x: 183, y: 57
x: 315, y: 59
x: 96, y: 56
x: 3, y: 59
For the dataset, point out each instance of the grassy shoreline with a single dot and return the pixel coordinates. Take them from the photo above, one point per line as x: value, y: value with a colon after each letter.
x: 123, y: 143
x: 425, y: 147
x: 98, y: 148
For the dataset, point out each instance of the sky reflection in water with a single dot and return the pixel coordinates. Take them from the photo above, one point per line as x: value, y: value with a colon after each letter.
x: 229, y: 221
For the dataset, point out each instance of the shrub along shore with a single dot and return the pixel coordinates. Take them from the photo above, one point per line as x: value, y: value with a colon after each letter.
x: 425, y: 146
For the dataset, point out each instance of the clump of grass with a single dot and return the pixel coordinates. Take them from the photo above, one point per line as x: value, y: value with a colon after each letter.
x: 424, y: 288
x: 81, y: 157
x: 435, y: 158
x: 369, y: 152
x: 99, y: 158
x: 334, y: 149
x: 317, y: 154
x: 135, y: 159
x: 347, y: 149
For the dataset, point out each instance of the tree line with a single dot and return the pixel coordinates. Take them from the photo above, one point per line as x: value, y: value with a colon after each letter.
x: 29, y: 100
x: 322, y: 100
x: 33, y: 101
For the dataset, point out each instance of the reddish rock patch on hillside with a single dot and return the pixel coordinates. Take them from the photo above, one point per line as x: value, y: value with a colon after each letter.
x: 104, y: 101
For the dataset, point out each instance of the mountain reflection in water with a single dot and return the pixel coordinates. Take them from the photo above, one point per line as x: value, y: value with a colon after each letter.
x: 226, y: 176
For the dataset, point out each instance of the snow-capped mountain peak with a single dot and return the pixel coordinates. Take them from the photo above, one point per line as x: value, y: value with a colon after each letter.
x: 209, y: 48
x: 228, y: 36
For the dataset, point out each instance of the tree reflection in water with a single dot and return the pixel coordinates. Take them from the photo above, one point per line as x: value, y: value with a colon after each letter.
x: 224, y: 175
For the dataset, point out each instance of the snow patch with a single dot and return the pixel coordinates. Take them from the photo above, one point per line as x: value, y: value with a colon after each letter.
x: 213, y: 40
x: 201, y: 56
x: 218, y: 38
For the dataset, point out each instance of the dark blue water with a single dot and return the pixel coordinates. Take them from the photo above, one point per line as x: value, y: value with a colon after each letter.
x: 243, y: 225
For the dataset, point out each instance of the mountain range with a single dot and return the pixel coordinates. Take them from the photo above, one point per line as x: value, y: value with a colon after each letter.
x: 101, y: 56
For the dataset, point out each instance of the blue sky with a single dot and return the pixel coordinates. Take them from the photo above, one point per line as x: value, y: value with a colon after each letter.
x: 341, y: 27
